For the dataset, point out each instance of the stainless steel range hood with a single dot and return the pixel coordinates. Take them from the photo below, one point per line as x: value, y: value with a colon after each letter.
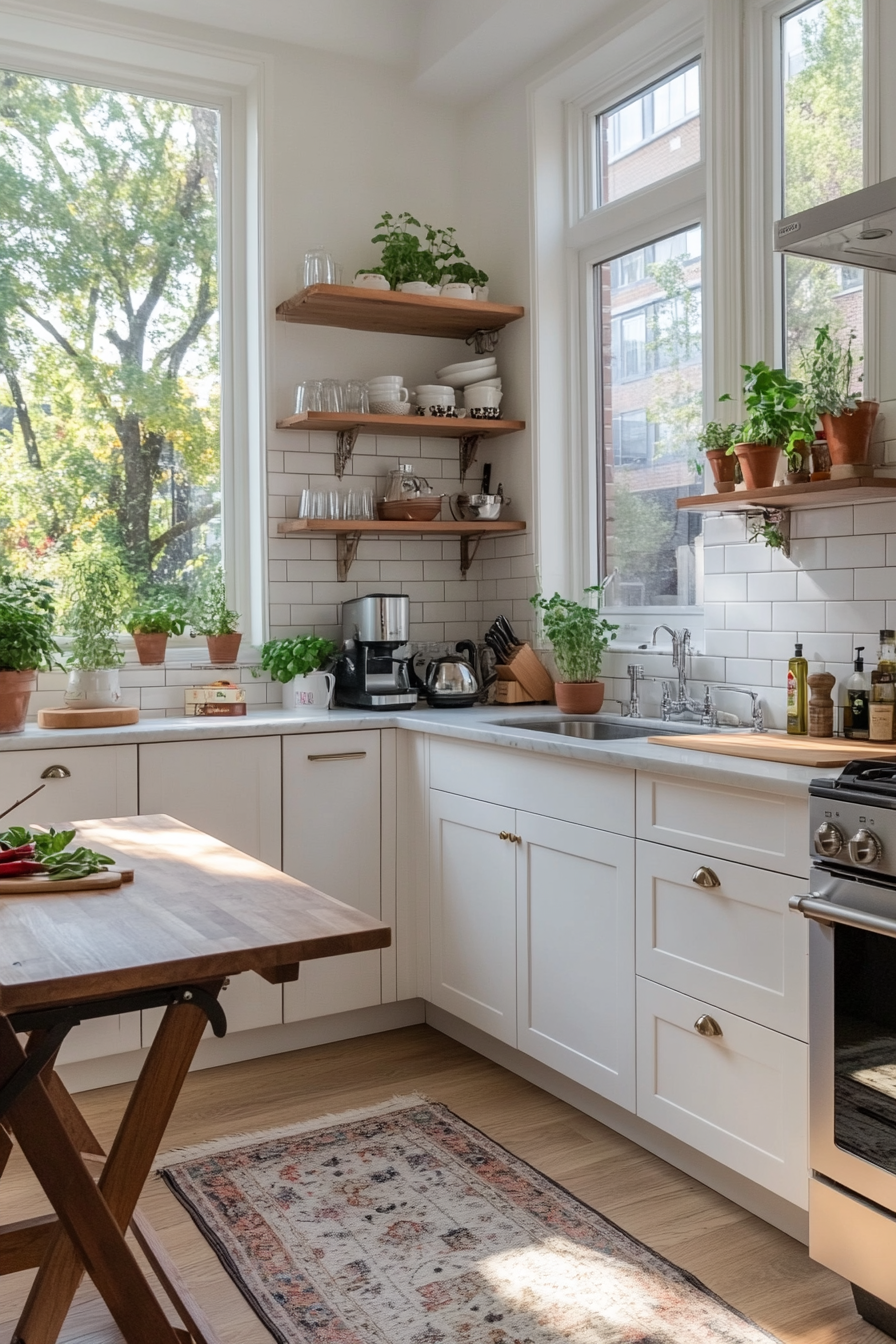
x: 854, y: 230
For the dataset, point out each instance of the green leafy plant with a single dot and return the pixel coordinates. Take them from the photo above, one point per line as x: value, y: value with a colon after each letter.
x: 47, y: 852
x: 288, y: 658
x: 26, y: 624
x: 829, y: 369
x: 716, y: 435
x: 157, y: 616
x: 768, y: 532
x: 209, y: 613
x: 432, y: 257
x: 579, y: 634
x: 98, y: 592
x: 776, y: 414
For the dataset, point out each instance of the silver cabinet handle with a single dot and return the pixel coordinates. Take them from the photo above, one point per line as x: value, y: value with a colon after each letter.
x: 509, y: 835
x: 825, y: 912
x: 707, y: 1026
x: 705, y: 877
x: 339, y: 756
x: 56, y: 772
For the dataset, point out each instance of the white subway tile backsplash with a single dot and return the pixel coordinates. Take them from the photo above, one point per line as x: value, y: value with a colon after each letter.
x: 822, y: 522
x: 794, y: 615
x: 723, y: 529
x: 747, y: 558
x: 825, y: 585
x: 713, y: 559
x: 749, y: 615
x: 879, y: 517
x: 807, y: 553
x: 726, y: 643
x: 777, y: 587
x: 725, y: 588
x: 753, y: 671
x: 876, y: 583
x: 857, y: 552
x: 854, y: 616
x: 825, y: 648
x: 771, y: 644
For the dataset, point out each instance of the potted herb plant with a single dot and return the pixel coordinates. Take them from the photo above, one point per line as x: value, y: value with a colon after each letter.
x: 298, y: 664
x: 151, y: 623
x: 26, y: 644
x: 211, y: 616
x: 580, y: 636
x: 421, y: 264
x: 776, y: 420
x: 717, y: 440
x: 97, y: 590
x: 848, y: 421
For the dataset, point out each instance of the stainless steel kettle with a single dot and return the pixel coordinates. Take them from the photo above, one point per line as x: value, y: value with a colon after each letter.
x: 451, y: 681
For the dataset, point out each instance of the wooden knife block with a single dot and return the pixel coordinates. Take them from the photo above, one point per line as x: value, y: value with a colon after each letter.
x: 523, y: 679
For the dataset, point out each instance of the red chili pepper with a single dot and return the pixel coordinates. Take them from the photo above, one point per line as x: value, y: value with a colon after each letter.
x: 20, y: 868
x: 12, y: 855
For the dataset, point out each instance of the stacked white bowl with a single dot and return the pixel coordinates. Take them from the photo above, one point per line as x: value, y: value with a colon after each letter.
x: 387, y: 395
x: 481, y: 386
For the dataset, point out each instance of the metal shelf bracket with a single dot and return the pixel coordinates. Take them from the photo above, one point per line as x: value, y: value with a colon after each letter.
x: 345, y: 444
x: 779, y: 519
x: 468, y: 447
x: 346, y: 550
x: 468, y: 548
x: 484, y: 342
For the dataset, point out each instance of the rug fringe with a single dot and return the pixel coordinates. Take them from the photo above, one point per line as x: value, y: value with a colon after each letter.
x: 177, y: 1155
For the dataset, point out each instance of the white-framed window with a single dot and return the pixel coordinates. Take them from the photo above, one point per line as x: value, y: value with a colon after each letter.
x: 197, y: 383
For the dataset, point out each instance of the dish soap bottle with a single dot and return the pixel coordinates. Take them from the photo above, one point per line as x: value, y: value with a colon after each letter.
x: 858, y: 694
x: 797, y: 693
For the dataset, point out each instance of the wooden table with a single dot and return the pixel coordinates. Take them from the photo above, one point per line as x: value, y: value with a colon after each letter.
x: 196, y: 912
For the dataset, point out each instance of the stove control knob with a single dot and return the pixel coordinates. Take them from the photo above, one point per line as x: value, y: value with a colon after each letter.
x: 864, y: 847
x: 828, y: 840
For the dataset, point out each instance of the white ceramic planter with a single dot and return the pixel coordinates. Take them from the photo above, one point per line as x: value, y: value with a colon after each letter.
x: 311, y: 694
x: 93, y: 688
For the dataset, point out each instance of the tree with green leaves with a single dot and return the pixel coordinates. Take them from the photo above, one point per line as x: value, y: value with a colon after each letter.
x: 108, y: 322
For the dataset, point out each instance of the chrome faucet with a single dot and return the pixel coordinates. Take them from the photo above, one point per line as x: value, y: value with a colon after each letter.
x: 683, y: 706
x: 758, y: 723
x: 635, y: 674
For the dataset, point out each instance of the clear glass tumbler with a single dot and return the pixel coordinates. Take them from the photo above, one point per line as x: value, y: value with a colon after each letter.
x: 308, y: 396
x: 320, y: 268
x: 332, y: 395
x: 356, y: 398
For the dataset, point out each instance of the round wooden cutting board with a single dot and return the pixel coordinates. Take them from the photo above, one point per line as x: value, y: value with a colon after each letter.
x: 39, y: 885
x: 116, y: 716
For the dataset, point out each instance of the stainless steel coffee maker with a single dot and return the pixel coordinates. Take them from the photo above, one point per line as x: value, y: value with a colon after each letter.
x: 368, y: 674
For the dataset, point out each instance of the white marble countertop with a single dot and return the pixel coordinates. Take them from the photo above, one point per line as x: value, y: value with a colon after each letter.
x: 502, y: 726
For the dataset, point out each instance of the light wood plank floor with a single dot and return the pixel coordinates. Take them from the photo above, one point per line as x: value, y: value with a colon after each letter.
x: 750, y: 1264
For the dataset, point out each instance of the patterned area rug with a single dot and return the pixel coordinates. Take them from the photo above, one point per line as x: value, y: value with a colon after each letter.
x: 404, y: 1225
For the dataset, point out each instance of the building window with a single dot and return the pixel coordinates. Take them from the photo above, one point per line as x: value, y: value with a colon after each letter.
x: 651, y: 384
x: 650, y: 136
x: 109, y: 334
x: 821, y: 134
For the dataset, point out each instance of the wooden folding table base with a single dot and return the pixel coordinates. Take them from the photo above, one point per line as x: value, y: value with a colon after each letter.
x: 91, y: 1217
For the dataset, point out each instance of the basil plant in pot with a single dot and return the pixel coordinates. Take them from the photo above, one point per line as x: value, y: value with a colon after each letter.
x: 848, y: 421
x: 776, y: 420
x: 211, y: 616
x: 98, y: 593
x: 151, y: 623
x: 717, y: 441
x: 26, y: 644
x: 298, y: 664
x: 580, y: 636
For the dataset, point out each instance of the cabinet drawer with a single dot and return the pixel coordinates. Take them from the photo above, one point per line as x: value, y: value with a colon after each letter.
x: 591, y: 795
x: 766, y: 830
x: 736, y: 945
x: 98, y: 782
x: 739, y: 1097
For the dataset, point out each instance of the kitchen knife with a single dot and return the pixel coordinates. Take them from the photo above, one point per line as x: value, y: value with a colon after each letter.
x: 506, y: 630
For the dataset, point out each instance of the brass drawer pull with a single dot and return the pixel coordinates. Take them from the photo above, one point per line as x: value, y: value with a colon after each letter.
x: 509, y: 835
x: 705, y: 877
x: 339, y: 756
x: 56, y: 772
x: 707, y: 1026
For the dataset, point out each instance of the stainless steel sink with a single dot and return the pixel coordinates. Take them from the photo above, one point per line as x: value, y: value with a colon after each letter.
x: 602, y: 730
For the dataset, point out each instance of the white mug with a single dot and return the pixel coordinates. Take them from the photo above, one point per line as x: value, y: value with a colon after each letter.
x: 482, y: 396
x: 455, y: 289
x: 386, y: 392
x: 366, y: 280
x: 310, y: 694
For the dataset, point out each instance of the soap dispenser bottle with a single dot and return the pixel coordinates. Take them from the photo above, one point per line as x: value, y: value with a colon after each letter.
x: 858, y: 694
x: 798, y: 693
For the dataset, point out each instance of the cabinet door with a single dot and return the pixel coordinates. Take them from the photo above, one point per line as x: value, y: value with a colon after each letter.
x: 473, y: 912
x: 576, y: 953
x: 97, y: 782
x: 331, y: 840
x: 739, y: 1097
x: 735, y: 944
x: 228, y: 787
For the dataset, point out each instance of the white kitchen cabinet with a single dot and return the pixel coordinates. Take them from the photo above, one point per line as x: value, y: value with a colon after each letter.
x: 739, y: 1097
x: 95, y: 782
x: 473, y: 912
x: 331, y: 840
x: 576, y: 953
x: 228, y: 787
x: 734, y: 944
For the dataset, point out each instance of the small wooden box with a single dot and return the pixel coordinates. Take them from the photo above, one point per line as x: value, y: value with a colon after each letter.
x: 524, y: 668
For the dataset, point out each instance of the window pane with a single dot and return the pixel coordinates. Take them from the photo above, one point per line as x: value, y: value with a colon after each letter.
x: 651, y: 377
x: 109, y: 382
x: 821, y: 73
x: 650, y: 136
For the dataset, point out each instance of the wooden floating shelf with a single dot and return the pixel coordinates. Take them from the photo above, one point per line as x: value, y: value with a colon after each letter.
x: 809, y: 495
x: 387, y: 310
x: 349, y: 532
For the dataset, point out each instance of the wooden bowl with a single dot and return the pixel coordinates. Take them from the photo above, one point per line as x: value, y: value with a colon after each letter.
x: 410, y: 510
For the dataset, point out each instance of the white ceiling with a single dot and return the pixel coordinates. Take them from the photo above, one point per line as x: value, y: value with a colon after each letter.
x: 453, y: 49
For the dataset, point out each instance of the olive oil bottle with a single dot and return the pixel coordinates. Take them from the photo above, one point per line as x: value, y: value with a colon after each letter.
x: 797, y: 693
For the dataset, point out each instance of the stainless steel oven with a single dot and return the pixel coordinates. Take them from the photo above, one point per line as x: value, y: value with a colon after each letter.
x: 852, y: 1032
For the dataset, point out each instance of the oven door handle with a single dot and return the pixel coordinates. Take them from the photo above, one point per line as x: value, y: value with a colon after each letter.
x: 827, y: 913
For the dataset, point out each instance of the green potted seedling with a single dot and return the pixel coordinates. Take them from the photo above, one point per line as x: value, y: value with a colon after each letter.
x: 151, y: 623
x: 848, y: 421
x: 211, y: 616
x: 776, y: 421
x: 26, y: 644
x: 297, y: 663
x: 716, y: 440
x: 97, y: 592
x: 580, y: 636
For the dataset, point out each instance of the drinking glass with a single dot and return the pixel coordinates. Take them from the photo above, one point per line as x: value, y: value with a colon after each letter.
x: 308, y: 396
x: 305, y: 504
x: 332, y: 397
x: 318, y: 504
x: 319, y: 267
x: 356, y: 398
x: 368, y: 508
x: 333, y: 505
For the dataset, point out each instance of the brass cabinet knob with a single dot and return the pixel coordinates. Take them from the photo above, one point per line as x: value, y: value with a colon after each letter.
x: 509, y: 835
x: 56, y: 772
x: 707, y: 1026
x: 705, y: 877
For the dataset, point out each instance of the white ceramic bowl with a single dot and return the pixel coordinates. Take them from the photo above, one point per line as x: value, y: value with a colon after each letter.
x: 390, y: 407
x: 385, y: 380
x: 465, y: 366
x: 485, y: 382
x: 469, y: 379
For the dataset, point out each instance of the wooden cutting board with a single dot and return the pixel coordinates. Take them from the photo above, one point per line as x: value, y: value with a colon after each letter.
x: 116, y: 716
x: 781, y: 747
x: 39, y: 885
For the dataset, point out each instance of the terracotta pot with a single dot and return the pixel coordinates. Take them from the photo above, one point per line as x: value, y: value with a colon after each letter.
x: 150, y: 648
x: 223, y: 649
x: 759, y: 463
x: 802, y: 471
x: 849, y: 435
x: 15, y: 692
x: 723, y: 466
x: 579, y: 697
